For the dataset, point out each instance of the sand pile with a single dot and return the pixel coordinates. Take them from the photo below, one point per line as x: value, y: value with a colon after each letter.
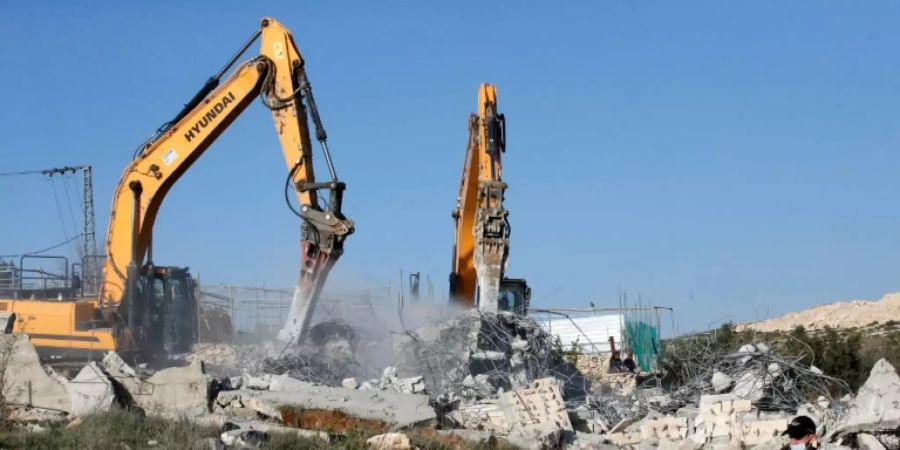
x: 853, y: 314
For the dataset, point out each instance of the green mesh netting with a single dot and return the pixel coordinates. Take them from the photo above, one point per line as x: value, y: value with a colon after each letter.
x: 643, y: 340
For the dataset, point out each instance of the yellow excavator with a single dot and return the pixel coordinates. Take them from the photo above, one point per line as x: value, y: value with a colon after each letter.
x: 146, y: 308
x: 481, y: 245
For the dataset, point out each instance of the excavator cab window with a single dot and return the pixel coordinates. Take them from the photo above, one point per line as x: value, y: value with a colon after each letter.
x: 182, y: 310
x: 168, y: 312
x: 514, y: 296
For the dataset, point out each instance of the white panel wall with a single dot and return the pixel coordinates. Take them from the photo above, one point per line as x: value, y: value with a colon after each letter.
x: 596, y: 329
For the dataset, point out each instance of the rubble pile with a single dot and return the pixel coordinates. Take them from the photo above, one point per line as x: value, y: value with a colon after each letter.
x: 477, y: 355
x: 769, y: 380
x: 478, y: 378
x: 328, y: 356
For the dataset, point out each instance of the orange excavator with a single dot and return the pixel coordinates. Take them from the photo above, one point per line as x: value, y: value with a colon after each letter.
x: 481, y: 245
x: 149, y: 308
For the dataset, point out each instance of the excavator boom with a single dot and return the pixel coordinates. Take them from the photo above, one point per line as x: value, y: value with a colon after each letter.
x: 277, y: 75
x: 481, y: 247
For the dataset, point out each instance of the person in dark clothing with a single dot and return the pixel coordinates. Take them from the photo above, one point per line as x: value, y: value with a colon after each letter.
x: 802, y: 434
x: 615, y: 363
x: 628, y: 362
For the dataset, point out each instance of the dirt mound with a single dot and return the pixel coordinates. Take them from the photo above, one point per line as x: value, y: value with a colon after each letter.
x: 853, y: 314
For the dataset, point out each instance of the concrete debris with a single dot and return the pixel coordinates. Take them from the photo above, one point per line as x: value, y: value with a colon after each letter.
x: 90, y: 391
x: 490, y: 377
x: 172, y: 392
x: 350, y: 383
x: 389, y: 381
x: 769, y: 380
x: 537, y: 437
x: 391, y: 408
x: 483, y: 439
x: 218, y: 354
x: 866, y: 441
x: 540, y: 403
x: 508, y: 349
x: 481, y: 416
x: 721, y: 382
x: 588, y: 441
x: 26, y: 382
x: 281, y: 383
x: 256, y: 382
x: 389, y: 441
x: 244, y: 438
x: 877, y: 404
x: 180, y: 391
x: 112, y: 361
x: 752, y: 386
x: 533, y: 416
x: 270, y: 428
x: 327, y: 357
x: 724, y: 420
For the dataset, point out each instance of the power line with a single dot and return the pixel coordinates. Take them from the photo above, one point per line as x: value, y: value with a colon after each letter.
x: 78, y: 236
x: 48, y: 172
x: 22, y: 172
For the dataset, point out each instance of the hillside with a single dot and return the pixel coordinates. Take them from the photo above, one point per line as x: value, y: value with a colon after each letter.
x: 844, y: 315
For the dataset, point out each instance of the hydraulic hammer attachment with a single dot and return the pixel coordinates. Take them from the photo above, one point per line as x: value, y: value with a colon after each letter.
x: 322, y: 234
x: 491, y: 243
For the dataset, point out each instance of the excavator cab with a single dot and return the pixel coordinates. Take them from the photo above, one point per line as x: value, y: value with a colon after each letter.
x: 514, y: 296
x: 165, y: 310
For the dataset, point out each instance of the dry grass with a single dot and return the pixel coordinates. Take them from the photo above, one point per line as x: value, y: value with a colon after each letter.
x: 120, y: 429
x: 132, y: 430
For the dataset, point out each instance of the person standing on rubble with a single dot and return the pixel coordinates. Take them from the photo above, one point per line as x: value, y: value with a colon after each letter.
x: 802, y: 434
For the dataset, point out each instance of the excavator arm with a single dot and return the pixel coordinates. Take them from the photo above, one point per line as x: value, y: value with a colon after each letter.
x: 481, y: 245
x: 278, y: 77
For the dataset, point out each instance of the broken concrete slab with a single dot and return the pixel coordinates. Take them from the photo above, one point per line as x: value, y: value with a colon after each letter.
x: 877, y: 404
x: 260, y: 382
x: 866, y: 441
x: 172, y: 392
x: 484, y: 439
x: 482, y: 416
x: 539, y: 403
x: 393, y: 409
x: 284, y: 382
x: 219, y: 354
x: 588, y: 441
x: 537, y: 437
x: 112, y: 360
x: 180, y: 390
x: 90, y: 391
x: 389, y: 441
x: 26, y: 382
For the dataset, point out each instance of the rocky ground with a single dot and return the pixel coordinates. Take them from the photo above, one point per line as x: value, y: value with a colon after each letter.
x: 473, y: 381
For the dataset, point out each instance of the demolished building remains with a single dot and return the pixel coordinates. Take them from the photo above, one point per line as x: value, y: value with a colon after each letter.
x: 480, y: 377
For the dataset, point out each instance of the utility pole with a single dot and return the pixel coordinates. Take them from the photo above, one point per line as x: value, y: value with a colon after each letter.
x: 90, y: 267
x: 90, y: 270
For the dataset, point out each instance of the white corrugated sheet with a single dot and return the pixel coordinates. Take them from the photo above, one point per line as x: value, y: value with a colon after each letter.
x: 594, y: 329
